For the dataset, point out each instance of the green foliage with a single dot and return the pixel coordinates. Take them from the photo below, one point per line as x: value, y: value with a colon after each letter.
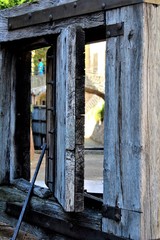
x: 100, y: 113
x: 12, y: 3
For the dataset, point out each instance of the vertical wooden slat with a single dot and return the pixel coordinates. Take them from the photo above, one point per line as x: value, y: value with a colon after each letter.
x: 132, y: 123
x: 150, y: 122
x: 122, y: 148
x: 70, y: 119
x: 79, y: 119
x: 6, y: 59
x: 50, y: 116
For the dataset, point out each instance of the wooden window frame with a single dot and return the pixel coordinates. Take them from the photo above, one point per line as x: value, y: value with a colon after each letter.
x: 21, y: 170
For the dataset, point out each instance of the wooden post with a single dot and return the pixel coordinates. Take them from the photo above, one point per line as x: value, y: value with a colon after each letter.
x: 132, y: 124
x: 70, y: 119
x: 5, y: 114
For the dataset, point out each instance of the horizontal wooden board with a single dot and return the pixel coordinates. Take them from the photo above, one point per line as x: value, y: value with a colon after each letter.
x: 58, y: 225
x: 73, y: 9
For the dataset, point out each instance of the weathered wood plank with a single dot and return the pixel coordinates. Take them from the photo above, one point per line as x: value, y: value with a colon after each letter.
x: 150, y: 122
x: 89, y: 218
x: 64, y: 11
x: 132, y: 133
x: 67, y: 10
x: 70, y: 78
x: 57, y: 225
x: 93, y: 20
x: 122, y: 178
x: 6, y: 61
x: 24, y: 185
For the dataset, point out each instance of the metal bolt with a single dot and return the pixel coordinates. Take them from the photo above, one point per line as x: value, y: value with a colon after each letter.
x: 119, y: 26
x: 10, y: 26
x: 103, y: 5
x: 117, y: 217
x: 50, y: 17
x: 29, y: 15
x: 75, y: 4
x: 108, y: 33
x: 71, y: 226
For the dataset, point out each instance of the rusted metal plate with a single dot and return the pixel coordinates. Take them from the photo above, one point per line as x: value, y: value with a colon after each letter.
x: 114, y: 30
x: 113, y: 213
x: 76, y: 8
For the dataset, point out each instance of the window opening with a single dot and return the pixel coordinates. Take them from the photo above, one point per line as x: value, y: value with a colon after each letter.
x: 38, y: 111
x: 94, y: 116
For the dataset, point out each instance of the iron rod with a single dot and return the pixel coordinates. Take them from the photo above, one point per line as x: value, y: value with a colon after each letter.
x: 29, y: 193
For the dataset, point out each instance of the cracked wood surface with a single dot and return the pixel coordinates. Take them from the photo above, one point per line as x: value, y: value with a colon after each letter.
x: 93, y: 20
x: 48, y: 206
x: 132, y: 159
x: 69, y: 185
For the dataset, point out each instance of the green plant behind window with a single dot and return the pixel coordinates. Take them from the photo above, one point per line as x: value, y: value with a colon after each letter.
x: 100, y: 114
x: 11, y: 3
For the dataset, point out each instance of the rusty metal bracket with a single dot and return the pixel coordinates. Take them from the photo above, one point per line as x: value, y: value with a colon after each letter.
x: 113, y: 213
x: 64, y: 11
x: 115, y: 30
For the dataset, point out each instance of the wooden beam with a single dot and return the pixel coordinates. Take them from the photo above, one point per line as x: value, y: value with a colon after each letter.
x: 61, y: 226
x: 73, y: 9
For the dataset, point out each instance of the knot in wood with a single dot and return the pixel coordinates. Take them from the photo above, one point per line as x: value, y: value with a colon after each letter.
x: 130, y: 35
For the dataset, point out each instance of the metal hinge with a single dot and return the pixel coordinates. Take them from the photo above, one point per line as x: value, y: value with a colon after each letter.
x: 113, y: 213
x: 115, y: 30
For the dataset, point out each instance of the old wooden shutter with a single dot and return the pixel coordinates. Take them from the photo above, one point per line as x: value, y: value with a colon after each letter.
x: 65, y: 174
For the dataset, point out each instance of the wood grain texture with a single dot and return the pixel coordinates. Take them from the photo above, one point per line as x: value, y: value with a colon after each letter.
x: 70, y: 78
x: 150, y: 122
x: 5, y: 100
x: 24, y: 186
x: 92, y: 20
x: 122, y: 163
x: 89, y: 218
x: 131, y: 168
x: 13, y: 110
